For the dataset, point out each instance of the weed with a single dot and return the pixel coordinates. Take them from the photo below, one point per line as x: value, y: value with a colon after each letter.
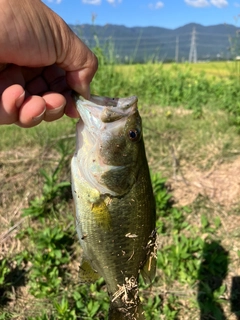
x: 152, y: 307
x: 5, y: 316
x: 4, y: 271
x: 170, y: 308
x: 52, y: 192
x: 180, y: 260
x: 64, y: 311
x: 162, y: 196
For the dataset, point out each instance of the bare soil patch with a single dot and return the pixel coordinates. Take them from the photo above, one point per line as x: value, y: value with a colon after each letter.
x: 221, y: 184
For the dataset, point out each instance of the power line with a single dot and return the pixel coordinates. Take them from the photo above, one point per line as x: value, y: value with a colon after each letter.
x: 130, y: 38
x: 190, y: 46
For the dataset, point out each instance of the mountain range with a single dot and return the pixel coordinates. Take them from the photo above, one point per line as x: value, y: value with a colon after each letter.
x: 142, y: 44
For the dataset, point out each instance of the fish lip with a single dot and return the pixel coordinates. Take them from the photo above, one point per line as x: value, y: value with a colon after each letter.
x: 121, y: 107
x: 107, y: 101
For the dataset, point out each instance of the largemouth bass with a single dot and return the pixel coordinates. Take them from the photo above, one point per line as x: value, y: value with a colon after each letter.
x: 114, y: 202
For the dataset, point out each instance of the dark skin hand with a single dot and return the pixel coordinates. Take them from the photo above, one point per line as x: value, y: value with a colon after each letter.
x: 41, y: 62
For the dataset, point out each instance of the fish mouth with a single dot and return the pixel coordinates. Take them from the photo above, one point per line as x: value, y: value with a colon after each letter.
x: 121, y: 103
x: 98, y: 110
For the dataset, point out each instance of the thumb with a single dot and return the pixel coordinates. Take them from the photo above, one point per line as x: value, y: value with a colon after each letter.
x: 79, y: 62
x: 79, y: 80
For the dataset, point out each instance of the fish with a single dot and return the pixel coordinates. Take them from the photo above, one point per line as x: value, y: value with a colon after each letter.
x: 114, y: 201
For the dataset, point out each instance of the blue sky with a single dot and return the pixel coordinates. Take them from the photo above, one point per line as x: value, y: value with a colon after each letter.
x: 165, y: 13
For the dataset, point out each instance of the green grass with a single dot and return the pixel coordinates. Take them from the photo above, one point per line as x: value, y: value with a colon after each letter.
x: 46, y: 134
x: 211, y: 69
x: 191, y: 125
x: 176, y: 85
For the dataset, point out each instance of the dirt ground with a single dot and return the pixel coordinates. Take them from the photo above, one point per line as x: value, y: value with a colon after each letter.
x: 221, y: 184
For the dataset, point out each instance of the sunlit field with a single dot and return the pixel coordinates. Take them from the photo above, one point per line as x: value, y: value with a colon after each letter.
x: 216, y: 69
x: 191, y: 122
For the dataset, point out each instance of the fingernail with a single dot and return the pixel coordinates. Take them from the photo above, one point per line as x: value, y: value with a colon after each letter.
x: 20, y: 100
x: 88, y: 93
x: 39, y: 117
x: 84, y: 92
x: 55, y: 110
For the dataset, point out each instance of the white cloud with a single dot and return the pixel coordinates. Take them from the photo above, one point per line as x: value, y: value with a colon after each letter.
x: 55, y: 1
x: 159, y: 5
x: 197, y: 3
x: 114, y: 2
x: 95, y: 2
x: 219, y: 3
x: 156, y: 5
x: 206, y: 3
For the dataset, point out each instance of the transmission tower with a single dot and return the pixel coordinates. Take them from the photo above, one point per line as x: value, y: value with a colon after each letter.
x: 193, y: 48
x: 177, y: 49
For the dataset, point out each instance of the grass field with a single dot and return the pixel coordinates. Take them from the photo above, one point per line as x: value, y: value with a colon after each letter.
x: 191, y: 129
x: 219, y: 69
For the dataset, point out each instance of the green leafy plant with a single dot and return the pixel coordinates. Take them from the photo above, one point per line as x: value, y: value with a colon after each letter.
x: 162, y: 196
x: 152, y: 308
x: 181, y: 260
x: 64, y: 311
x: 52, y: 191
x: 4, y: 271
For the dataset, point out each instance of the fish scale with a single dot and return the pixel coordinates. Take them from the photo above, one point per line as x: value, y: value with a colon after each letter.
x: 115, y: 213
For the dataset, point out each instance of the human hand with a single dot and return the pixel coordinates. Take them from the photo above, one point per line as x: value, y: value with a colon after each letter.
x: 41, y: 61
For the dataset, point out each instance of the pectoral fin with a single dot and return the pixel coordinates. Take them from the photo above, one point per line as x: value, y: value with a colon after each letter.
x: 87, y: 274
x: 149, y: 269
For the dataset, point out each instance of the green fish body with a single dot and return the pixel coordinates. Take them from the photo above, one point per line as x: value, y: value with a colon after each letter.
x: 114, y: 202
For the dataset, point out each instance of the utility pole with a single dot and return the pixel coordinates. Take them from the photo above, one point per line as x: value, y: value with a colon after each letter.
x: 177, y: 49
x: 193, y: 48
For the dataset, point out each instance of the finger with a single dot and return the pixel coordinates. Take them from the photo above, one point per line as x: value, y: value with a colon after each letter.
x: 10, y: 76
x: 55, y: 78
x: 3, y: 66
x: 30, y: 73
x: 31, y: 112
x: 79, y: 80
x: 55, y: 104
x: 37, y: 86
x: 70, y: 109
x: 79, y: 83
x: 11, y: 100
x: 77, y: 59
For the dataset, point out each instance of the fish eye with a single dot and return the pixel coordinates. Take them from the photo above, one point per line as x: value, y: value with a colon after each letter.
x: 133, y: 135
